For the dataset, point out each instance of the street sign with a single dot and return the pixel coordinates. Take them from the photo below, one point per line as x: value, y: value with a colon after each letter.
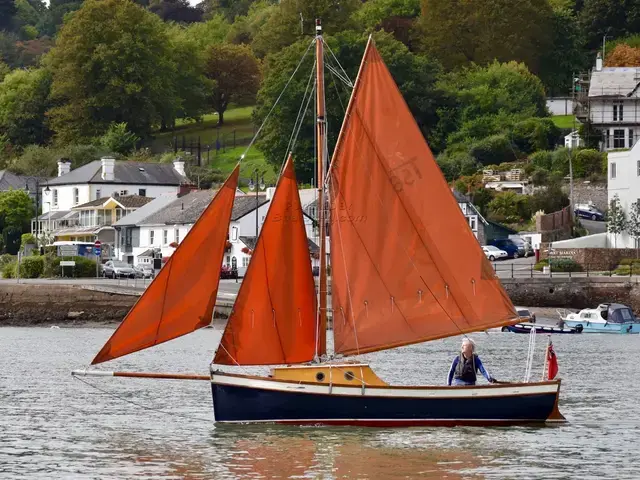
x: 97, y: 243
x: 67, y: 263
x: 67, y: 250
x: 97, y: 248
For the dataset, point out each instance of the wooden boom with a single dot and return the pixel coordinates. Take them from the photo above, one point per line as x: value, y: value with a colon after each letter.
x: 163, y: 376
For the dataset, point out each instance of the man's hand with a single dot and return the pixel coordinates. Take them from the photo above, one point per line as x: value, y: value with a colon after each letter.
x: 492, y: 380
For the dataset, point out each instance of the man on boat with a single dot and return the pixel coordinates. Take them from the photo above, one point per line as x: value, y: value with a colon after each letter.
x: 464, y: 367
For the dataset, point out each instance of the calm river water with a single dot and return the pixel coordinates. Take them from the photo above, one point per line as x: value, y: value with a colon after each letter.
x: 52, y: 426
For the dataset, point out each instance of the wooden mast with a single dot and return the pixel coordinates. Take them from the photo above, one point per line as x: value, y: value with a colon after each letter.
x: 321, y: 126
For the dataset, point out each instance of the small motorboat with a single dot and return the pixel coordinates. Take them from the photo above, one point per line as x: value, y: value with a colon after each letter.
x: 606, y: 318
x: 545, y: 329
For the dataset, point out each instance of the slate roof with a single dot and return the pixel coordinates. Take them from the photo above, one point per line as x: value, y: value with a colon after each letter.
x: 614, y: 82
x: 59, y: 215
x: 127, y: 201
x: 135, y: 173
x: 187, y: 209
x: 136, y: 217
x: 9, y: 180
x: 250, y: 242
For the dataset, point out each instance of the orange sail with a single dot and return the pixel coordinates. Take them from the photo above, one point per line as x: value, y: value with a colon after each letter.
x: 406, y: 267
x: 274, y: 317
x: 182, y: 297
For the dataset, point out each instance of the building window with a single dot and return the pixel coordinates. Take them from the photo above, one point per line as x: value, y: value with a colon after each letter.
x: 165, y: 237
x: 228, y: 260
x: 618, y: 138
x: 152, y: 234
x: 631, y: 138
x: 638, y: 168
x: 245, y: 262
x: 124, y: 192
x: 98, y: 192
x: 473, y: 223
x: 76, y: 196
x: 234, y: 234
x: 606, y: 139
x: 54, y: 193
x: 463, y: 206
x: 128, y: 239
x: 618, y: 111
x: 142, y: 192
x: 177, y: 235
x: 613, y: 170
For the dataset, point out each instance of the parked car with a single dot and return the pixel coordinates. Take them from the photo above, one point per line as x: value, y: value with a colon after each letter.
x: 116, y: 268
x: 588, y: 211
x: 144, y: 271
x: 508, y: 245
x: 227, y: 272
x: 524, y: 247
x: 526, y: 315
x: 494, y: 253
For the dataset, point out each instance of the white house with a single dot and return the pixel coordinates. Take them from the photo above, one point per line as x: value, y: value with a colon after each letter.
x: 611, y: 105
x: 172, y: 222
x: 106, y: 178
x: 573, y: 140
x: 624, y: 180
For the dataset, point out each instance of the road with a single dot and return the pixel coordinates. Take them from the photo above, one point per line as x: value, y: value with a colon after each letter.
x: 593, y: 227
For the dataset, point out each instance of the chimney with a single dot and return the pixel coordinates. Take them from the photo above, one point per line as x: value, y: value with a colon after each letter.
x: 108, y: 168
x: 64, y: 166
x: 185, y: 188
x: 178, y: 164
x: 599, y: 62
x: 270, y: 192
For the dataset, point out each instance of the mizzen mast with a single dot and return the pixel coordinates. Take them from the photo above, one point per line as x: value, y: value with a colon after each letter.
x: 321, y: 132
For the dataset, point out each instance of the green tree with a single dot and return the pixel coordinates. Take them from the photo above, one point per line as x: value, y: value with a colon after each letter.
x: 111, y: 63
x: 633, y: 224
x: 616, y: 18
x: 509, y: 207
x: 179, y: 11
x: 235, y: 72
x: 394, y: 16
x: 459, y: 32
x: 118, y: 139
x: 284, y: 27
x: 591, y: 161
x: 7, y: 12
x: 4, y: 70
x: 550, y: 199
x: 205, y: 34
x: 16, y: 212
x: 481, y: 198
x: 617, y: 219
x: 415, y: 75
x: 24, y: 100
x: 245, y: 27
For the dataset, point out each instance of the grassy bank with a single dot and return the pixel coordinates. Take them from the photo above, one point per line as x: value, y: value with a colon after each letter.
x: 564, y: 121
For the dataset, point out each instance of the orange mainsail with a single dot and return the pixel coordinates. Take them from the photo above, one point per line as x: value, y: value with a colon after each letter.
x: 274, y: 317
x: 406, y: 267
x: 182, y: 297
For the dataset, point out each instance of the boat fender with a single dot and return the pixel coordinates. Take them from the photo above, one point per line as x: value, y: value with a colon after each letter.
x: 579, y: 328
x: 629, y: 328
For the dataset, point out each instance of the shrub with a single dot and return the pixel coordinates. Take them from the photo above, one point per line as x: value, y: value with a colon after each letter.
x: 493, y: 149
x: 27, y: 239
x: 541, y: 159
x: 559, y: 265
x: 84, y: 268
x: 9, y: 269
x: 6, y: 258
x: 31, y: 267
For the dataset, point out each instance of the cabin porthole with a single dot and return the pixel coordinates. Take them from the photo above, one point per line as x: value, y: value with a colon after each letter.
x: 349, y: 376
x: 320, y: 376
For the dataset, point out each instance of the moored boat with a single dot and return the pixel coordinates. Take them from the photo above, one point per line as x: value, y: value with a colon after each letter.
x: 605, y: 318
x: 539, y: 328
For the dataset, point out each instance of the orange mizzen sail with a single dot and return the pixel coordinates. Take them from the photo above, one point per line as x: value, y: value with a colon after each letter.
x: 182, y: 296
x: 406, y: 267
x: 274, y: 318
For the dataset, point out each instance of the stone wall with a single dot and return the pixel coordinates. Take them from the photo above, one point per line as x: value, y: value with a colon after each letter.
x: 591, y: 258
x: 590, y: 192
x: 574, y: 292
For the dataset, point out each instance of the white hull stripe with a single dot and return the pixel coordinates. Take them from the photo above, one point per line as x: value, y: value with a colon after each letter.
x: 357, y: 390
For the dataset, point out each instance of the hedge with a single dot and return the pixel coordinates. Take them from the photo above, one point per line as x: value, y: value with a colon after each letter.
x: 559, y: 265
x: 48, y: 267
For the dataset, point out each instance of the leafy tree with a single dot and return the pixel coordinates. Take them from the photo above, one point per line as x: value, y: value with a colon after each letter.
x: 617, y: 219
x: 118, y: 139
x: 236, y: 75
x: 415, y: 75
x: 566, y: 54
x: 120, y: 72
x: 633, y: 224
x: 616, y: 18
x: 230, y: 9
x: 23, y: 103
x: 550, y: 199
x: 245, y: 27
x: 539, y: 177
x: 4, y: 70
x: 283, y: 28
x: 30, y: 51
x: 494, y: 149
x: 9, y: 53
x: 42, y: 161
x: 459, y: 32
x: 509, y: 207
x: 481, y: 198
x: 623, y: 55
x: 179, y: 11
x: 534, y: 134
x: 58, y: 11
x: 205, y: 34
x: 7, y: 12
x: 395, y: 16
x: 16, y: 212
x: 591, y: 160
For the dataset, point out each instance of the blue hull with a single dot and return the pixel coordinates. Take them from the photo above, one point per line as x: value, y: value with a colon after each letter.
x: 541, y: 329
x: 241, y: 404
x: 588, y: 327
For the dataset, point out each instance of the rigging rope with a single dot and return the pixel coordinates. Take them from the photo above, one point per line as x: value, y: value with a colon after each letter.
x: 530, y: 355
x: 350, y: 83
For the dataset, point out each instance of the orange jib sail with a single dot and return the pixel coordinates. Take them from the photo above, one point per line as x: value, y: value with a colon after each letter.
x: 274, y: 318
x: 406, y: 267
x: 181, y: 298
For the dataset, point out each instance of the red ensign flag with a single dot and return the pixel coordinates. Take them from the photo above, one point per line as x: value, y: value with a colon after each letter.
x: 552, y: 361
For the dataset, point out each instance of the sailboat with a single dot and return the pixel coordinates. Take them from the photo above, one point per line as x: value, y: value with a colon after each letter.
x: 405, y: 269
